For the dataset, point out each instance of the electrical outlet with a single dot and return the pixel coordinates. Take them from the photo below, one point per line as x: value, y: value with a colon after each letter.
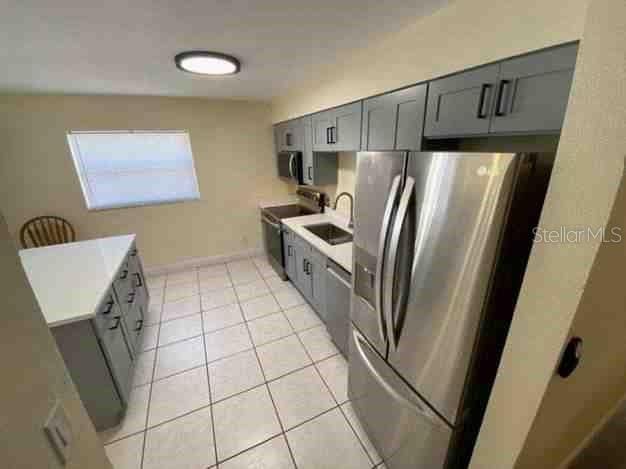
x: 57, y: 427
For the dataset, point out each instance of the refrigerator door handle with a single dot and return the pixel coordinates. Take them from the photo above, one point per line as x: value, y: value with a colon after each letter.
x: 382, y: 243
x: 365, y: 351
x: 390, y: 314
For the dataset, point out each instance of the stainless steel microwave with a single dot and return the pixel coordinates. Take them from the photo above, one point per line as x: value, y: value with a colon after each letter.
x: 290, y: 166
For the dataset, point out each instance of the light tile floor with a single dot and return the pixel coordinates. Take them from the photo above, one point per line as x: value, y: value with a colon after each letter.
x: 237, y: 372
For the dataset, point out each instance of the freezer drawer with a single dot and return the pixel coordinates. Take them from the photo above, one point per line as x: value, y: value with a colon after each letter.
x: 404, y: 430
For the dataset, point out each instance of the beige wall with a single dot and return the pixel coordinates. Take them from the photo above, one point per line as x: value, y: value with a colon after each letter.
x: 571, y: 407
x: 233, y: 153
x: 463, y: 34
x: 346, y: 179
x: 33, y: 378
x: 586, y: 177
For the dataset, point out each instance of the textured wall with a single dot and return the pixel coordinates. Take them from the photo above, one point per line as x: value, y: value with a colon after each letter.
x: 33, y: 378
x: 233, y: 153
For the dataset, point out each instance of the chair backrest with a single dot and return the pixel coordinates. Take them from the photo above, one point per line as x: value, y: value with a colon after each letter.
x: 45, y: 231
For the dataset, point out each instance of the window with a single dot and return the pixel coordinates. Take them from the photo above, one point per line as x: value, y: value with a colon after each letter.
x: 130, y: 168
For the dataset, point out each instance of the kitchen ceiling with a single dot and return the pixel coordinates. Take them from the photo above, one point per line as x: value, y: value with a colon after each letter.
x: 121, y: 47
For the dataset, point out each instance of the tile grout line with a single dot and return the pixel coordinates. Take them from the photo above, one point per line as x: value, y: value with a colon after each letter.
x: 208, y: 378
x: 265, y: 383
x: 269, y: 392
x: 315, y: 365
x: 145, y: 433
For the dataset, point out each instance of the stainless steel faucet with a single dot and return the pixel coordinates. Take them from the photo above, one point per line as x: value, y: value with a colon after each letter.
x: 351, y: 222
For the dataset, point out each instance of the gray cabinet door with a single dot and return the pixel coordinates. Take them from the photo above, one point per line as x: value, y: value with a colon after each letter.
x: 289, y: 136
x: 461, y: 104
x: 394, y: 121
x: 303, y: 277
x: 345, y: 132
x: 117, y: 351
x: 321, y: 124
x: 289, y: 254
x: 317, y: 272
x: 533, y: 91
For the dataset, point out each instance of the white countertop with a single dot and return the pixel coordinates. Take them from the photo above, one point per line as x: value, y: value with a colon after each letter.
x: 276, y: 203
x: 341, y: 253
x: 70, y: 280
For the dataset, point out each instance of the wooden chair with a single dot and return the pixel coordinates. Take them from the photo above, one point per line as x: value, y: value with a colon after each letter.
x: 46, y: 231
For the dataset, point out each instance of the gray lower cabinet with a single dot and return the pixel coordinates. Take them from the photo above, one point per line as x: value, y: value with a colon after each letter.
x: 100, y: 362
x: 100, y: 352
x: 394, y: 121
x: 317, y: 274
x: 289, y: 254
x: 526, y: 94
x: 318, y: 168
x: 289, y: 136
x: 338, y: 129
x: 533, y: 91
x: 303, y: 276
x: 307, y: 271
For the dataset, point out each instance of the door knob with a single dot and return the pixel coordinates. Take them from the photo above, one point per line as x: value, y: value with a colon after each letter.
x: 571, y: 357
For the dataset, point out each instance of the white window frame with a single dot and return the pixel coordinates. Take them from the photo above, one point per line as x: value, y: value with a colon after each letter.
x: 82, y: 174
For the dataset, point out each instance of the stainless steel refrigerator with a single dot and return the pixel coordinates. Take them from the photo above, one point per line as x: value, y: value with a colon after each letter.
x: 441, y: 242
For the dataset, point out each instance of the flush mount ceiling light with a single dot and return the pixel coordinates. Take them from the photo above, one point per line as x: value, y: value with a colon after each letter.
x: 207, y: 63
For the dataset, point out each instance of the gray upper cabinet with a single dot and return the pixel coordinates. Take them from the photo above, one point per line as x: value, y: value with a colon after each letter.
x: 394, y: 121
x: 318, y: 168
x: 527, y: 94
x: 461, y: 104
x: 289, y: 136
x: 338, y: 129
x: 533, y: 91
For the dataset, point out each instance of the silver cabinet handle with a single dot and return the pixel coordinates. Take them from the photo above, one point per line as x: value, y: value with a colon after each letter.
x: 291, y: 158
x: 382, y: 243
x: 389, y: 277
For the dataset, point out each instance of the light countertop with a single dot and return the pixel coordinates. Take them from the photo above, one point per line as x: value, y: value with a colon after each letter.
x: 341, y: 253
x: 70, y: 280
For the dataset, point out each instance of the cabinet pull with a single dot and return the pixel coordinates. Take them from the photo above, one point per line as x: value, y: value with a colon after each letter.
x: 304, y: 265
x: 481, y: 101
x: 109, y: 307
x: 289, y: 250
x: 139, y: 279
x: 139, y: 325
x: 117, y: 323
x: 328, y: 142
x: 308, y: 268
x: 503, y: 84
x: 309, y: 172
x: 288, y: 139
x: 333, y: 135
x: 124, y: 274
x: 131, y: 297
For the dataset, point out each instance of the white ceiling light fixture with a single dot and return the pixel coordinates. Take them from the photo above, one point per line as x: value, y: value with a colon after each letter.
x: 207, y: 63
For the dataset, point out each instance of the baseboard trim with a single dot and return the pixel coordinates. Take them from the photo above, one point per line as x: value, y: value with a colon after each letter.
x: 202, y: 261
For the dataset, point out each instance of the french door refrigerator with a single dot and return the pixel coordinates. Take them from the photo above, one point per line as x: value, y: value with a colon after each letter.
x: 441, y: 242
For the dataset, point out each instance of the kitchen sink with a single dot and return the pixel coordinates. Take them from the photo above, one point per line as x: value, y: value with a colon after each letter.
x: 330, y: 233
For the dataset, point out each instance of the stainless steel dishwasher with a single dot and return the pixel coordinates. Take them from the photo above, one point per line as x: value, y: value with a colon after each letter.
x: 338, y: 292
